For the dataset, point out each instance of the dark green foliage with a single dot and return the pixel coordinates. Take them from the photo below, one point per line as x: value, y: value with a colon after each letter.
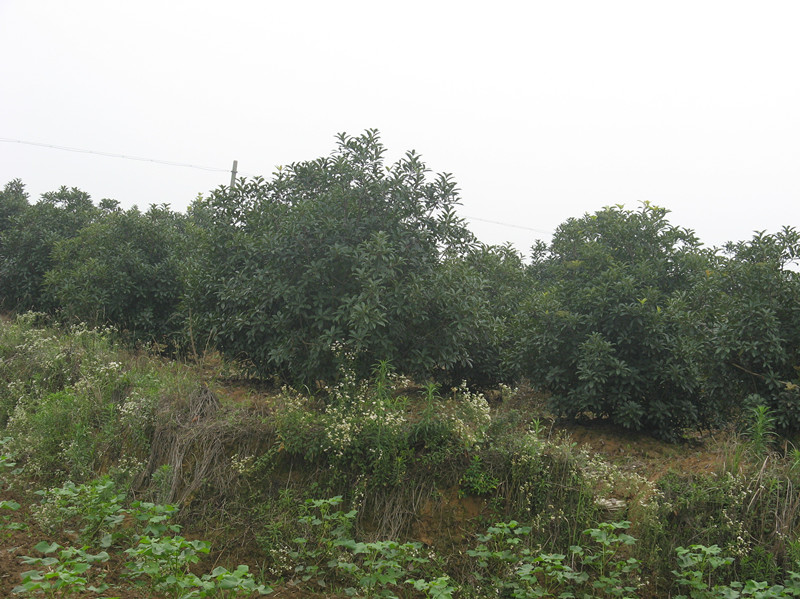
x: 606, y: 334
x: 636, y: 323
x: 63, y: 400
x: 749, y: 302
x: 623, y: 317
x: 13, y: 202
x: 27, y: 243
x: 123, y: 269
x: 753, y: 518
x: 500, y: 280
x: 337, y: 251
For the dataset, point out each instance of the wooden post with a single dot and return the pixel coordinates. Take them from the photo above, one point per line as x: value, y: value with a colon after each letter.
x: 233, y: 173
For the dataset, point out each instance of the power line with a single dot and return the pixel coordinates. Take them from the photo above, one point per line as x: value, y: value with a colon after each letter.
x: 114, y: 155
x: 211, y: 169
x: 495, y: 222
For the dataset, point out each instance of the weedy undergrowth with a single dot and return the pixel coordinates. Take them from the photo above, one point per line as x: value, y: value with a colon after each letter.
x: 506, y: 561
x: 761, y: 429
x: 329, y: 555
x: 63, y: 571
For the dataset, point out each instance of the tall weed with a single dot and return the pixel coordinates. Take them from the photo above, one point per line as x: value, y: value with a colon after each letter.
x: 74, y: 404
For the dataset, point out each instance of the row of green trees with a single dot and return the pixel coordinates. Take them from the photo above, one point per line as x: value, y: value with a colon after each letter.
x: 622, y: 316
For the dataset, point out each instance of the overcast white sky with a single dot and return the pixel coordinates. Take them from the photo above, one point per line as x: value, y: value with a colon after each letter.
x: 541, y: 110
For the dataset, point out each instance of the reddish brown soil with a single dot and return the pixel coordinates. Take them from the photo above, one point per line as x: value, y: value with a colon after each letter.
x: 12, y: 545
x: 17, y: 543
x: 650, y: 457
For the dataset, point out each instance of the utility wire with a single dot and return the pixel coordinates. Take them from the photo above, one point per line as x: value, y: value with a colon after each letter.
x: 495, y: 222
x: 114, y: 155
x: 209, y: 168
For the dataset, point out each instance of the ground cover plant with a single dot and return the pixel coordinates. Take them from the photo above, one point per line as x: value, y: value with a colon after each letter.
x: 153, y: 546
x: 370, y: 487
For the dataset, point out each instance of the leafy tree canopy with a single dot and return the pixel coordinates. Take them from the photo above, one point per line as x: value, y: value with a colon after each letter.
x: 13, y: 202
x: 122, y: 269
x: 338, y: 254
x: 605, y: 334
x: 749, y: 304
x: 28, y: 241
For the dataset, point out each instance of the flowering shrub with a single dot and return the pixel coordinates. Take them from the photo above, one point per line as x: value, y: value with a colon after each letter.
x: 70, y: 406
x: 362, y: 428
x: 370, y: 427
x: 470, y: 414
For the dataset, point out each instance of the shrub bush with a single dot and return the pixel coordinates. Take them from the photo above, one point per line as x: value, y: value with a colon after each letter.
x: 749, y: 304
x: 28, y: 241
x: 339, y: 251
x: 124, y: 270
x: 608, y: 333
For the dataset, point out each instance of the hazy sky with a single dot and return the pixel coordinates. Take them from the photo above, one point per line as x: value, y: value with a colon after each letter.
x: 541, y: 110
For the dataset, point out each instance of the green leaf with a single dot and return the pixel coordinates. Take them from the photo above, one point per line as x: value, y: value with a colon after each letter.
x: 45, y: 547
